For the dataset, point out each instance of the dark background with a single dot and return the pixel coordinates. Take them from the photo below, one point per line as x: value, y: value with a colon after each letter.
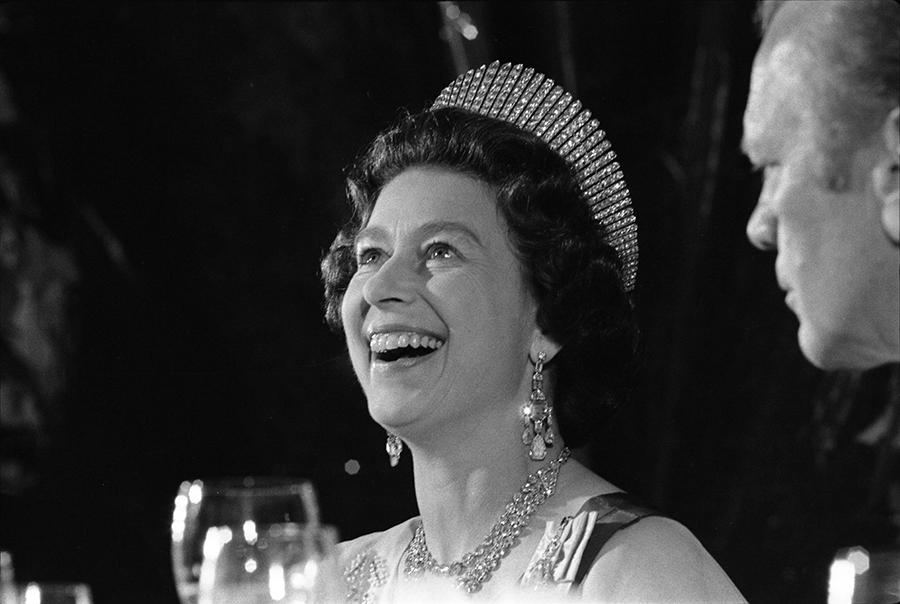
x: 189, y: 156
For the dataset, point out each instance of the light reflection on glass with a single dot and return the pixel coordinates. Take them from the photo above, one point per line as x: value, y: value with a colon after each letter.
x: 306, y: 578
x: 195, y: 493
x: 216, y: 537
x: 179, y: 516
x: 277, y: 589
x: 250, y: 535
x: 859, y: 557
x: 32, y: 594
x: 841, y: 582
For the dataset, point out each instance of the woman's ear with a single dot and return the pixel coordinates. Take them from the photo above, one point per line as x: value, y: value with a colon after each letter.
x: 541, y: 343
x: 886, y: 177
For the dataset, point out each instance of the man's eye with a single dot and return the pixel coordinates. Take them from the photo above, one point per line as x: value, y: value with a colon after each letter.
x: 761, y: 164
x: 440, y: 251
x: 767, y: 168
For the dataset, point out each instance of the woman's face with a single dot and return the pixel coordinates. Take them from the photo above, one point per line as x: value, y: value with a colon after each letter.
x: 438, y: 319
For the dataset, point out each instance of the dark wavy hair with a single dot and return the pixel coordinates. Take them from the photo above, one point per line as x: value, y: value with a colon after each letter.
x: 575, y: 276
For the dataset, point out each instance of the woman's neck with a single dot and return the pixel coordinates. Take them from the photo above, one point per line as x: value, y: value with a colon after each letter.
x: 463, y: 486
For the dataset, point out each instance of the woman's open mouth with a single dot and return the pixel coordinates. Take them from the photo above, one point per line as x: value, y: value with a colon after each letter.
x: 392, y: 346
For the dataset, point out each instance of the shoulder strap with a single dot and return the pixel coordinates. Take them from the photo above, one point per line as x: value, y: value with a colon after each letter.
x: 616, y: 511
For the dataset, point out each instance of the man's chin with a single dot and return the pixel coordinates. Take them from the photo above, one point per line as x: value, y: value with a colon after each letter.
x: 832, y: 352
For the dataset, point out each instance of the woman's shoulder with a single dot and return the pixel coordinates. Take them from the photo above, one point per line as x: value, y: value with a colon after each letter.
x: 381, y: 543
x: 657, y: 538
x: 657, y: 559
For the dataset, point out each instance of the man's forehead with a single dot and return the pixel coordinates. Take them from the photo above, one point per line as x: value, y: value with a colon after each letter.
x: 799, y: 21
x: 779, y: 89
x: 787, y: 60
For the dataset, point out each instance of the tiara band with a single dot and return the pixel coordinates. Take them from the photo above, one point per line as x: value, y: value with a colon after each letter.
x: 533, y: 102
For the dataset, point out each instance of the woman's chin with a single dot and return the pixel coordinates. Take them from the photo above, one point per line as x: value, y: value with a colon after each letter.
x: 390, y: 412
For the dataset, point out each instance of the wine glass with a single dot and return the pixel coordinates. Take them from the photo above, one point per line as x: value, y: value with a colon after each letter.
x: 231, y: 502
x: 280, y: 563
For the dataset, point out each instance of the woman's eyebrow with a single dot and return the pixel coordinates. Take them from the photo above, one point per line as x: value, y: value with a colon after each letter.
x: 427, y: 229
x: 443, y: 226
x: 370, y: 232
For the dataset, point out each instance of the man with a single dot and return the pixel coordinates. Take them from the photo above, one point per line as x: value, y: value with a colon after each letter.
x: 823, y: 124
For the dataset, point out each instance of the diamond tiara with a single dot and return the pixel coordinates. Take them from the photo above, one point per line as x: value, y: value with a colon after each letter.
x: 530, y: 100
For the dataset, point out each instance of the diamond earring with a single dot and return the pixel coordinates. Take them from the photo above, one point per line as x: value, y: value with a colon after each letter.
x: 536, y: 415
x: 394, y: 448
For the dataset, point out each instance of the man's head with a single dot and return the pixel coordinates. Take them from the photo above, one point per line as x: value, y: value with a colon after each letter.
x: 823, y: 123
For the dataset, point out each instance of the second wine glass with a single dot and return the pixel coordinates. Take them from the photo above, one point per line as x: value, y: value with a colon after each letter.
x: 231, y: 502
x: 269, y: 564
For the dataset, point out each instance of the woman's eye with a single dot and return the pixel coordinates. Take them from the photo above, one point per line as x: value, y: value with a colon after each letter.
x: 368, y: 256
x: 440, y: 251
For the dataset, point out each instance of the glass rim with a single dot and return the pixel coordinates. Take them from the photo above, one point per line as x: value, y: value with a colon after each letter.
x: 250, y: 485
x: 286, y: 530
x: 292, y: 529
x: 56, y: 586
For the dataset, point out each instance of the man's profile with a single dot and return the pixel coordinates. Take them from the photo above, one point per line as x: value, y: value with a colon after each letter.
x: 823, y: 124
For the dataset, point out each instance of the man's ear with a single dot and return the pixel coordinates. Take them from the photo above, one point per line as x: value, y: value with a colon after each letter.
x: 541, y: 343
x: 886, y: 177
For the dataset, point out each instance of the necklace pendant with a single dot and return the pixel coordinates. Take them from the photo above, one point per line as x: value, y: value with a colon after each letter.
x: 538, y: 450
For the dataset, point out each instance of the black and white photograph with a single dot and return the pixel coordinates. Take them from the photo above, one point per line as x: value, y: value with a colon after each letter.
x: 405, y: 302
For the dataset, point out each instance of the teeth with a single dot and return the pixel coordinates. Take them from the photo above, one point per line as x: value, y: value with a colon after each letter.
x: 382, y: 342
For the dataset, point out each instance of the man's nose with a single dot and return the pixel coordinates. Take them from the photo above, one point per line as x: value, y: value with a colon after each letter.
x: 762, y: 228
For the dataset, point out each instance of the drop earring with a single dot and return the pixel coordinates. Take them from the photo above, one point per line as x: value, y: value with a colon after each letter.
x: 536, y: 415
x: 394, y: 447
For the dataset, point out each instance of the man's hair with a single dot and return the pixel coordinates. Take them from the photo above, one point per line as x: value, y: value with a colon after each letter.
x: 856, y: 45
x: 576, y: 277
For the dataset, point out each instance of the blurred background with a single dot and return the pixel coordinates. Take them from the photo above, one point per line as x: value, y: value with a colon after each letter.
x: 171, y: 174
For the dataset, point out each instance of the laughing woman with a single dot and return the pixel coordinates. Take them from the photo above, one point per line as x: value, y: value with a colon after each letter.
x: 483, y: 290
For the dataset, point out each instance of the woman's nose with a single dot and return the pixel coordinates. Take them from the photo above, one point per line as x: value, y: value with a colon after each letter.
x: 762, y: 228
x: 392, y: 282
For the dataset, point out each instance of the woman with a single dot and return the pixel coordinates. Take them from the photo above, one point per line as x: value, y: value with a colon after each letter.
x: 482, y: 290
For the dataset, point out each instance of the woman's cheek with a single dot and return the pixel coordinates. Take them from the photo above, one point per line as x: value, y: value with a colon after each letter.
x: 351, y: 310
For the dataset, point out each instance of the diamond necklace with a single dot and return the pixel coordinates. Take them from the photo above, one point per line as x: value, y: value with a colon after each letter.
x: 476, y: 568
